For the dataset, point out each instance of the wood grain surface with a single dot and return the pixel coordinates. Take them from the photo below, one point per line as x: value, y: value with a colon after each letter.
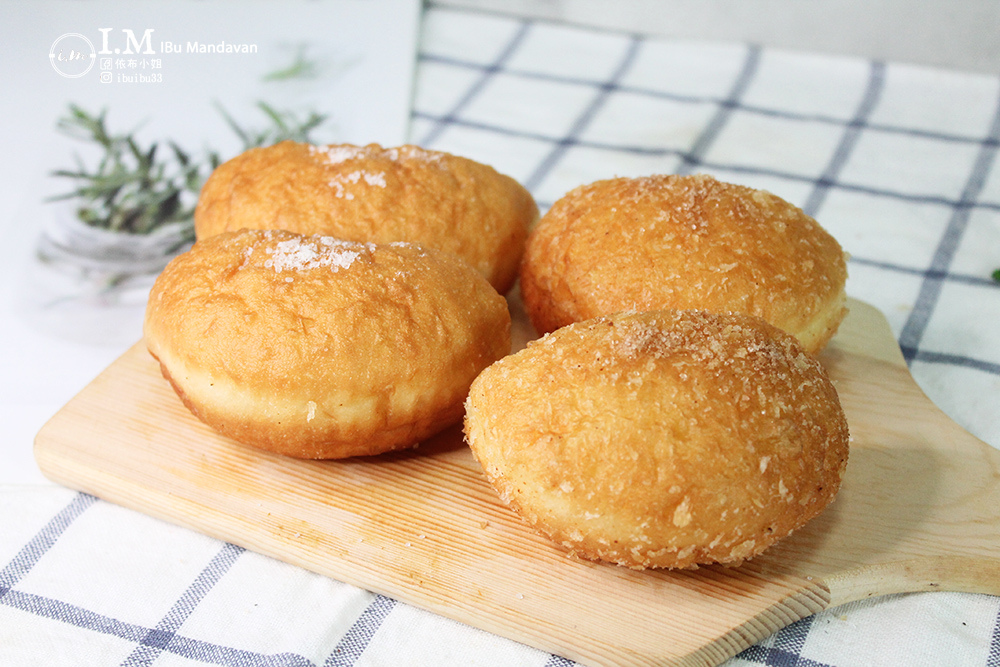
x: 919, y: 510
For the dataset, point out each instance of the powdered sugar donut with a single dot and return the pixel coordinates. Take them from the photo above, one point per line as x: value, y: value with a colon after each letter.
x: 315, y: 347
x: 370, y: 193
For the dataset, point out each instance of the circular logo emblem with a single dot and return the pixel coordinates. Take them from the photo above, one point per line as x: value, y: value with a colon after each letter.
x: 72, y: 55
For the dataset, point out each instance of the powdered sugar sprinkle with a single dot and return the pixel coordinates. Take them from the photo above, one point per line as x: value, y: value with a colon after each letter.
x: 373, y: 179
x: 335, y: 154
x: 306, y: 253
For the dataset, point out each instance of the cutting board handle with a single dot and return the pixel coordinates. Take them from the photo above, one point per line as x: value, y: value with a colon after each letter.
x: 920, y: 505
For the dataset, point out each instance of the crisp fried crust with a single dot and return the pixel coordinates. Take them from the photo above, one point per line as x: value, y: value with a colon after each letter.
x: 689, y: 242
x: 662, y: 439
x: 319, y: 348
x: 434, y: 199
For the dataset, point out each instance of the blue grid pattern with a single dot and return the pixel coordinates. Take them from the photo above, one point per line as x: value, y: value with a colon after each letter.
x: 468, y: 103
x: 463, y: 129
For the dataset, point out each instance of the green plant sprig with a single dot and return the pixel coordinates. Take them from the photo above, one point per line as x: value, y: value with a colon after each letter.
x: 301, y: 67
x: 137, y: 189
x: 132, y: 189
x: 284, y: 125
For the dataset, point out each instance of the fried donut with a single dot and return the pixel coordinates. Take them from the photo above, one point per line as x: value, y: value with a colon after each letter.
x: 661, y: 439
x: 314, y: 347
x: 434, y: 199
x: 689, y: 242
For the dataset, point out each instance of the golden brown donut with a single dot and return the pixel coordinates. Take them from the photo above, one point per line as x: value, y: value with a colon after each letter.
x: 319, y: 348
x: 661, y: 439
x: 688, y: 242
x: 376, y: 194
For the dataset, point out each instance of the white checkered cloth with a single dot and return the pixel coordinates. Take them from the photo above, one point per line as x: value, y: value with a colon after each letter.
x: 897, y: 161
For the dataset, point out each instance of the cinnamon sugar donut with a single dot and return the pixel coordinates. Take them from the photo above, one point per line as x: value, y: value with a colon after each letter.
x: 688, y: 242
x: 370, y: 193
x: 315, y: 347
x: 661, y: 439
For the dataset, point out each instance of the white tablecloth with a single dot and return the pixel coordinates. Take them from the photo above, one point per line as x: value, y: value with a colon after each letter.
x: 897, y: 161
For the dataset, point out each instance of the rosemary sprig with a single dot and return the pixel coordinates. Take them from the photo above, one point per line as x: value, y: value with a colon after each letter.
x: 136, y: 189
x: 300, y: 68
x: 132, y: 189
x: 284, y: 125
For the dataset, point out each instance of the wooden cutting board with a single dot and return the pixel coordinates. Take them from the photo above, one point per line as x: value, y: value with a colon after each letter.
x: 919, y: 510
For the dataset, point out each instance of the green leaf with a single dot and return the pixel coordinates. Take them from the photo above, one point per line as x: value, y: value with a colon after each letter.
x: 136, y: 188
x: 300, y: 68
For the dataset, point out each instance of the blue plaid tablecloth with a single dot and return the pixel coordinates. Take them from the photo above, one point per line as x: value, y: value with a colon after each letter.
x: 899, y: 162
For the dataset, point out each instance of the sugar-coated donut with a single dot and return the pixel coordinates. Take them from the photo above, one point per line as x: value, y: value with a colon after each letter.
x: 689, y: 242
x: 370, y: 193
x: 314, y: 347
x: 662, y: 439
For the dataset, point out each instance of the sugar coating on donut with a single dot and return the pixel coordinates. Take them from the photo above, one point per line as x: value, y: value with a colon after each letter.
x: 663, y: 439
x: 375, y: 194
x: 337, y: 153
x: 302, y: 254
x: 689, y: 242
x: 316, y: 347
